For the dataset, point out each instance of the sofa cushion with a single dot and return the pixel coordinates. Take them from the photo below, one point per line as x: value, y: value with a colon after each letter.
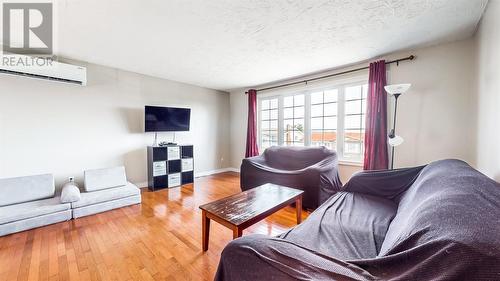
x: 96, y: 197
x: 31, y: 209
x: 347, y: 226
x: 99, y: 179
x: 25, y: 189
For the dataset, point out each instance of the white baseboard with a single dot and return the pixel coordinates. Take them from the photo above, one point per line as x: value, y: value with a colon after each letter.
x: 232, y: 169
x: 199, y: 174
x: 213, y: 172
x: 141, y: 184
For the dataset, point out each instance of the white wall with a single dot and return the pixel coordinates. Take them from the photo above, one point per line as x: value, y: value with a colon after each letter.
x: 47, y: 127
x: 488, y: 82
x: 435, y: 117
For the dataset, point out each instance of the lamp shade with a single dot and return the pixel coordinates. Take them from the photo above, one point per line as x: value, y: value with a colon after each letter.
x: 396, y: 140
x: 397, y: 88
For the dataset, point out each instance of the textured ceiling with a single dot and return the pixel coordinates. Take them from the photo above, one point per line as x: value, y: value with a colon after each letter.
x: 225, y: 44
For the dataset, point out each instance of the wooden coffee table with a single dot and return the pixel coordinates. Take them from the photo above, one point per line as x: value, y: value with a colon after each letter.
x: 244, y: 209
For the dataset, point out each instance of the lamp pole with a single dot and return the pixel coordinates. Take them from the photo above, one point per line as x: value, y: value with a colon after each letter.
x: 392, y: 134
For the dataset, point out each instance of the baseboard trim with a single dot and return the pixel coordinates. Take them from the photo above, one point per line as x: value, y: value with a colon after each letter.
x: 142, y: 184
x: 213, y: 172
x: 232, y: 169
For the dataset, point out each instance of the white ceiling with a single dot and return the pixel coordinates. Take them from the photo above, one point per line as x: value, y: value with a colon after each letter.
x: 226, y: 44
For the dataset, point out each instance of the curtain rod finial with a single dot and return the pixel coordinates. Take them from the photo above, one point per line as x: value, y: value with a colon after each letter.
x: 412, y: 57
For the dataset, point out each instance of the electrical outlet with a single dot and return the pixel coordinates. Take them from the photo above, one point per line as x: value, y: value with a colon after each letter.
x: 71, y: 179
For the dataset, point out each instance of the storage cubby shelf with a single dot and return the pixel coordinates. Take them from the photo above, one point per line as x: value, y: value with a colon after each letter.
x: 170, y: 166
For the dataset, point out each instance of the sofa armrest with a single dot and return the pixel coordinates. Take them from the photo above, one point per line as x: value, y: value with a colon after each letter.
x: 389, y: 184
x: 70, y: 193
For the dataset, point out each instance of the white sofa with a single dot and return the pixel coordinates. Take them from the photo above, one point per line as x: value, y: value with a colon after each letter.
x: 105, y: 189
x: 29, y: 202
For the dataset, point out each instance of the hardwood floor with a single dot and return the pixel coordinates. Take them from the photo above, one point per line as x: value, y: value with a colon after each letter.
x: 157, y: 240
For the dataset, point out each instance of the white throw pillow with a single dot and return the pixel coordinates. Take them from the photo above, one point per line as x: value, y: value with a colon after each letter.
x: 70, y: 193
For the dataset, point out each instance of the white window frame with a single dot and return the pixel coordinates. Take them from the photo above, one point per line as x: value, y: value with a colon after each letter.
x: 340, y: 86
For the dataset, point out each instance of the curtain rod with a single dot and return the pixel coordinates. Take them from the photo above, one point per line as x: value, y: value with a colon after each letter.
x: 332, y: 75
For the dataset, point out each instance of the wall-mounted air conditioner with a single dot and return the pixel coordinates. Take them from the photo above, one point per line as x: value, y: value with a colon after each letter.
x: 43, y: 68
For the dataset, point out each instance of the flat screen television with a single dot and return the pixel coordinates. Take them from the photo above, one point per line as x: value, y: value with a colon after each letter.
x: 166, y: 119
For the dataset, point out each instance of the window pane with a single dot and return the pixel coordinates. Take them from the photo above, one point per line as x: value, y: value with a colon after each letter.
x: 352, y: 147
x: 330, y: 139
x: 265, y: 136
x: 353, y: 107
x: 353, y: 144
x: 317, y: 97
x: 365, y: 90
x: 273, y: 124
x: 316, y: 110
x: 265, y: 104
x: 353, y: 122
x: 263, y: 146
x: 273, y: 137
x: 354, y: 136
x: 331, y: 95
x: 273, y: 114
x: 288, y: 101
x: 298, y: 112
x: 363, y: 121
x: 330, y: 123
x: 330, y: 136
x: 330, y: 109
x: 265, y: 115
x: 298, y: 136
x: 288, y: 113
x: 273, y: 103
x: 298, y: 124
x: 363, y: 106
x: 317, y: 123
x: 268, y: 138
x: 288, y: 124
x: 264, y: 125
x: 298, y: 100
x: 288, y: 137
x: 353, y: 92
x: 317, y: 137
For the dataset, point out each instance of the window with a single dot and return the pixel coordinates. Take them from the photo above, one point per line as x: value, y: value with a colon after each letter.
x: 293, y: 120
x: 331, y: 117
x: 324, y: 118
x: 268, y: 123
x: 354, y: 122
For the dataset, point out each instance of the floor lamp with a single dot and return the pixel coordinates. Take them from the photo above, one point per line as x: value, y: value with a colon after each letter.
x: 394, y: 140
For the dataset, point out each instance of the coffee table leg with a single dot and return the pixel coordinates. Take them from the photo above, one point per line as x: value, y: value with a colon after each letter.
x: 237, y: 232
x: 205, y: 232
x: 298, y: 208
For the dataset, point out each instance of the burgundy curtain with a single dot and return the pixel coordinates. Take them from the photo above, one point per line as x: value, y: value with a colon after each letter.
x: 376, y: 156
x: 252, y: 149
